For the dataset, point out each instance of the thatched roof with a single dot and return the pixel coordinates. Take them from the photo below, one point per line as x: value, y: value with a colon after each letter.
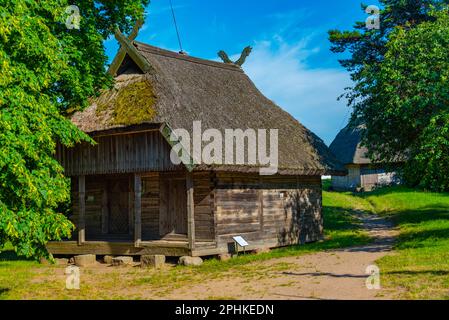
x: 347, y: 146
x: 179, y: 89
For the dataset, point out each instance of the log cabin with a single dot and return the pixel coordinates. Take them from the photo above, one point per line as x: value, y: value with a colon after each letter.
x: 129, y: 198
x: 363, y: 173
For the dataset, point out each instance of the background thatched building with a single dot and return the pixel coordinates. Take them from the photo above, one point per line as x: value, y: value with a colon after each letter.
x: 363, y: 174
x: 130, y: 199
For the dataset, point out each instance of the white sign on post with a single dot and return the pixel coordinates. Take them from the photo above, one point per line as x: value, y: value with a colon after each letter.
x: 240, y: 241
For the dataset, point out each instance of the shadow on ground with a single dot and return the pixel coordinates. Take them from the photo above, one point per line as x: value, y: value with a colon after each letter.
x: 324, y: 274
x: 10, y: 255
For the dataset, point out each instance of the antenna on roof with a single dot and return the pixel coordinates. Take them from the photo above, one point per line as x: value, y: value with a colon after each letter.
x: 176, y: 27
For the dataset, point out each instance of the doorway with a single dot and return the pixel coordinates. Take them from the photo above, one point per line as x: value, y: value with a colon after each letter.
x: 173, y: 207
x: 119, y: 207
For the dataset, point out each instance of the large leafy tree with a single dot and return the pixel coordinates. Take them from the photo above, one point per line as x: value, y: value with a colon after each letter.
x: 400, y: 90
x: 406, y: 108
x: 46, y: 71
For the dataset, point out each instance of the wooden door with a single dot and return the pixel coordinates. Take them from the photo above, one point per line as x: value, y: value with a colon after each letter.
x: 173, y: 207
x: 118, y: 206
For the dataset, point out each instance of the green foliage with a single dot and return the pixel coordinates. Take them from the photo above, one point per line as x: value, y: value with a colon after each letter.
x: 430, y: 161
x: 368, y: 47
x: 326, y: 184
x: 401, y: 88
x: 45, y: 70
x: 406, y: 109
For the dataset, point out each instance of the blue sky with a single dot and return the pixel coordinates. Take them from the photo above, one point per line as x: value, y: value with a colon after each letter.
x: 290, y: 63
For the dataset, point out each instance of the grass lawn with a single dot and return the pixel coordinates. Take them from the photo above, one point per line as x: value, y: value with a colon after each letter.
x: 419, y: 269
x: 22, y: 279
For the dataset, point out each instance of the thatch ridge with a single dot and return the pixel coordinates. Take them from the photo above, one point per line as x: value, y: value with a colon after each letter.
x: 146, y: 48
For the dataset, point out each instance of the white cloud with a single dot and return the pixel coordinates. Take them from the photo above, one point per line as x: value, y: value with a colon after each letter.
x: 281, y: 72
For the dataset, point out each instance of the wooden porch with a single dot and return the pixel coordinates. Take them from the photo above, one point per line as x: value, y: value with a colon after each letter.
x: 117, y: 227
x: 163, y: 247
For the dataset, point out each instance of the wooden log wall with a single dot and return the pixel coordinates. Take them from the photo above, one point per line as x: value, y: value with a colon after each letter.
x: 269, y: 211
x: 150, y: 206
x: 121, y: 153
x: 351, y: 181
x: 266, y: 211
x: 204, y: 206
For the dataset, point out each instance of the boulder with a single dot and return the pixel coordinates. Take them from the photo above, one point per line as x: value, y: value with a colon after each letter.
x: 61, y: 261
x: 224, y: 257
x: 190, y: 261
x: 122, y: 261
x: 108, y: 259
x: 85, y: 260
x: 152, y: 261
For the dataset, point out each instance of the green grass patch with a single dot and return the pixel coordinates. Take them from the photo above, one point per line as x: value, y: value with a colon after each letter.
x: 326, y: 184
x: 419, y: 269
x: 15, y: 272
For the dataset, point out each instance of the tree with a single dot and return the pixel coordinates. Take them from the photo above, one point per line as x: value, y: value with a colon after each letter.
x: 406, y: 109
x: 400, y: 85
x: 367, y: 47
x: 46, y: 72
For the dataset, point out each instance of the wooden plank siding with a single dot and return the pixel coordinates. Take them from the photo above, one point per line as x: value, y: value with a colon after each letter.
x: 351, y: 181
x: 125, y: 153
x: 366, y: 177
x: 268, y: 211
x: 150, y: 206
x: 203, y: 195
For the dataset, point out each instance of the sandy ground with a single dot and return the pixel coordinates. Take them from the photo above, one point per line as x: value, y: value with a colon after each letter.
x: 339, y: 274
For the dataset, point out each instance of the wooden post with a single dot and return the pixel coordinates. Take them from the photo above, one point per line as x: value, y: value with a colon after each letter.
x: 82, y: 210
x: 137, y: 210
x: 190, y: 211
x: 261, y: 217
x: 104, y: 210
x: 131, y: 203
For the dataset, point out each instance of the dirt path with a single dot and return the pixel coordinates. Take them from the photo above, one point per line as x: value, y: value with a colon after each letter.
x: 338, y: 274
